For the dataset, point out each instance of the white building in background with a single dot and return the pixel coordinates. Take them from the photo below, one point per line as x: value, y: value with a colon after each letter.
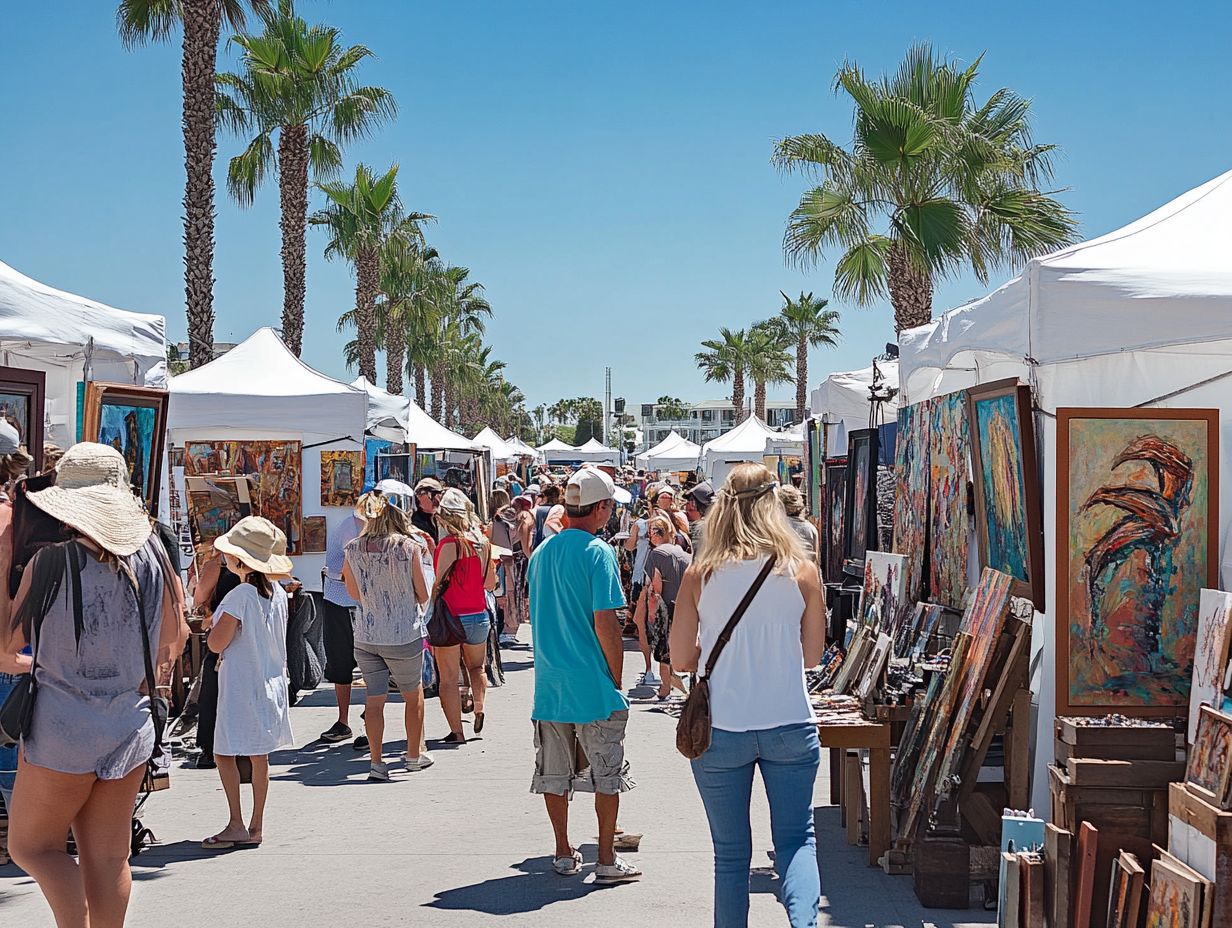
x: 707, y: 420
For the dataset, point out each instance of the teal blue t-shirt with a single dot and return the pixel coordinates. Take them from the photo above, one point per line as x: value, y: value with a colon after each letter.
x: 572, y: 576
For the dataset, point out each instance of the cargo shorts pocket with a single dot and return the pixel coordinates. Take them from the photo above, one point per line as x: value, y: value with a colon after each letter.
x: 603, y: 743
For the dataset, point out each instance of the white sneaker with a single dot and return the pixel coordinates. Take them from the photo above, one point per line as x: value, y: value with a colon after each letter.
x: 621, y: 871
x: 422, y: 762
x: 378, y: 773
x: 650, y: 678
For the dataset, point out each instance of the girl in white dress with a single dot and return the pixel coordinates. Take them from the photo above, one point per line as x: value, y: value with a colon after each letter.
x: 250, y: 636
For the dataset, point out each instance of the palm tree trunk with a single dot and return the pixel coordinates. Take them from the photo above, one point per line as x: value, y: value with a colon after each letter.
x: 438, y: 391
x: 293, y: 191
x: 759, y: 399
x: 367, y: 283
x: 801, y: 377
x: 420, y: 385
x: 202, y: 24
x: 738, y: 395
x: 911, y: 292
x: 395, y: 356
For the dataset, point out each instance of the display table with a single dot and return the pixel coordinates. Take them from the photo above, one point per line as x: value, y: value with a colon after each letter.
x: 873, y: 737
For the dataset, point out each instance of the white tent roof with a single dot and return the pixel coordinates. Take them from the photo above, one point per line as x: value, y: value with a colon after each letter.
x: 595, y: 452
x: 555, y: 445
x: 749, y: 437
x: 675, y: 452
x: 57, y: 327
x: 501, y: 450
x: 385, y: 411
x: 259, y: 383
x: 429, y: 435
x: 596, y: 446
x: 521, y: 448
x: 844, y: 397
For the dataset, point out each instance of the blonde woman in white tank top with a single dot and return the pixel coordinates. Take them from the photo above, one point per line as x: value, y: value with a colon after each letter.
x: 760, y: 711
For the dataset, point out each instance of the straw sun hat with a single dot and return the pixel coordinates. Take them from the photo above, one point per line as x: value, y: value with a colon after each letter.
x: 255, y: 542
x: 92, y: 495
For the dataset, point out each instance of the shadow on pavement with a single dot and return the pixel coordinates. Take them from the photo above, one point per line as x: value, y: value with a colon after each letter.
x: 538, y: 886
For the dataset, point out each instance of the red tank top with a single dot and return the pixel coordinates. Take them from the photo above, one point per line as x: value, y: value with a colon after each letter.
x: 464, y: 595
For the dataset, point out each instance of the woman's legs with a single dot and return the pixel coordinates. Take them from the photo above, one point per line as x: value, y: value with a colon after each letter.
x: 229, y: 774
x: 475, y: 655
x: 260, y: 791
x: 724, y: 776
x: 447, y: 665
x: 103, y: 830
x: 45, y: 802
x: 374, y: 725
x: 790, y: 757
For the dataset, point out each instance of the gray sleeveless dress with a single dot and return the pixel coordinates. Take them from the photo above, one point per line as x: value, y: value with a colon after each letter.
x: 89, y: 716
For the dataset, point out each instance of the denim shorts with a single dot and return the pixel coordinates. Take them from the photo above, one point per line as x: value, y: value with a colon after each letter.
x: 478, y: 626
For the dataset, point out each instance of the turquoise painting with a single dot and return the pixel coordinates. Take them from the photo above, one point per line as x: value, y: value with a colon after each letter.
x: 1005, y: 494
x: 130, y: 430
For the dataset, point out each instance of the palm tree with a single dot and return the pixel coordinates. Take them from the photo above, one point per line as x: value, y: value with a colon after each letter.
x: 951, y: 181
x: 406, y: 308
x: 361, y: 216
x: 463, y: 309
x: 727, y: 358
x: 671, y: 408
x: 298, y: 81
x: 141, y: 21
x: 806, y: 323
x: 769, y: 361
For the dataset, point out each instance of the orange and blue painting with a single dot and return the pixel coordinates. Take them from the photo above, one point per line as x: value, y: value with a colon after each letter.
x: 949, y: 448
x: 1001, y: 479
x: 911, y: 458
x: 1138, y: 505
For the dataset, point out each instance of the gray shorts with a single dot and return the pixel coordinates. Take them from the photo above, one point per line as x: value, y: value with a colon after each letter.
x: 377, y: 661
x: 589, y: 757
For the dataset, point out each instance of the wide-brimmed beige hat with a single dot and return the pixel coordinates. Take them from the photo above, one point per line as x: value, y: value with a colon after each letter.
x: 254, y: 541
x: 93, y: 495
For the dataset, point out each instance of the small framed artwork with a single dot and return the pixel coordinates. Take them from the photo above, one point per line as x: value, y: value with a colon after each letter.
x: 860, y: 509
x: 314, y: 534
x: 1209, y: 769
x: 23, y: 395
x: 342, y: 477
x: 133, y: 420
x: 832, y: 519
x: 1008, y: 518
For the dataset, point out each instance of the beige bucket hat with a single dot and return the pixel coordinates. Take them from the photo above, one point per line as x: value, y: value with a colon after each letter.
x: 92, y: 494
x: 255, y: 542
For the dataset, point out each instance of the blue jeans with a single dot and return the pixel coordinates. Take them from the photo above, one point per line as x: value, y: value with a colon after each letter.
x: 788, y: 758
x: 8, y: 756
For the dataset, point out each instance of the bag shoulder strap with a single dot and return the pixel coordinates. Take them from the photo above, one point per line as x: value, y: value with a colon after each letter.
x: 730, y: 627
x: 151, y: 680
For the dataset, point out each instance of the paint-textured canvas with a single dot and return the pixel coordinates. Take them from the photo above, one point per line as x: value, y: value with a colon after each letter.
x: 1137, y: 503
x: 342, y: 477
x: 314, y: 534
x: 911, y: 460
x: 1210, y: 759
x: 215, y: 504
x: 914, y: 634
x: 1007, y: 508
x: 1210, y: 653
x: 836, y: 502
x: 815, y: 463
x: 373, y: 447
x: 276, y: 468
x: 882, y: 600
x: 949, y: 447
x: 860, y: 513
x: 1176, y: 898
x: 133, y: 420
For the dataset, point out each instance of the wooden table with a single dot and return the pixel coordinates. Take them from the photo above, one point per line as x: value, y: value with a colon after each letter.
x: 873, y: 737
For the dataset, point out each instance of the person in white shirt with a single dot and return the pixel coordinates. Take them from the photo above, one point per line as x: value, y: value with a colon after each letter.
x: 761, y: 716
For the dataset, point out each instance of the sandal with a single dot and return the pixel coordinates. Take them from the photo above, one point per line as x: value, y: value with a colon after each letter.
x: 219, y: 843
x: 568, y: 866
x: 468, y: 704
x: 454, y: 737
x: 478, y: 722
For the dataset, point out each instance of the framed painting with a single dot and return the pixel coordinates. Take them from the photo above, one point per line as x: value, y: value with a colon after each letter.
x: 911, y: 492
x: 816, y: 461
x: 882, y: 601
x: 1125, y: 896
x: 860, y: 506
x: 276, y: 469
x: 314, y: 534
x: 215, y: 504
x: 1209, y: 767
x: 1175, y: 900
x: 342, y: 477
x: 373, y: 447
x: 1137, y: 518
x: 23, y: 397
x: 832, y: 519
x: 1009, y: 529
x: 133, y: 420
x: 948, y: 525
x: 1210, y: 653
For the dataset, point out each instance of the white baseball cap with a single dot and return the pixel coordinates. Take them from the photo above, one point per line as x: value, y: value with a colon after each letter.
x: 591, y: 485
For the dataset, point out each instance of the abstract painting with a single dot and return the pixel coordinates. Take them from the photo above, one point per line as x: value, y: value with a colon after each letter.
x: 133, y: 420
x: 342, y: 477
x: 22, y: 397
x: 1210, y: 653
x: 215, y: 504
x: 911, y: 460
x: 276, y: 469
x: 832, y: 519
x: 373, y: 447
x: 860, y: 509
x: 1176, y: 896
x: 874, y: 667
x: 1125, y: 897
x: 1137, y: 505
x: 1210, y: 759
x: 1008, y: 519
x: 314, y: 534
x: 816, y: 460
x: 882, y: 600
x: 913, y: 636
x: 949, y: 447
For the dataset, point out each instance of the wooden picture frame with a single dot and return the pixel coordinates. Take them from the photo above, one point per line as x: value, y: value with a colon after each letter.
x: 1023, y: 553
x: 1187, y: 493
x: 20, y: 386
x: 1208, y: 769
x: 833, y: 519
x: 860, y: 533
x: 140, y: 438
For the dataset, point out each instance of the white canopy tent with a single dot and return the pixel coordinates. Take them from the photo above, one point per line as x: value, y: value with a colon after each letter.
x: 789, y: 442
x: 259, y: 390
x: 556, y: 451
x: 501, y: 450
x: 843, y: 401
x: 385, y: 411
x: 521, y: 448
x: 72, y: 339
x: 596, y: 452
x: 1139, y: 317
x: 746, y: 442
x: 673, y: 453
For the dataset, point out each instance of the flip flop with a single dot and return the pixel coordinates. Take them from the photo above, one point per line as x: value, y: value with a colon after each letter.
x: 214, y: 843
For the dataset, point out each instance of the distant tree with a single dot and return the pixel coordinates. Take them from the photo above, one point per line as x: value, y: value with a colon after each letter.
x: 726, y: 358
x: 671, y: 407
x: 806, y: 323
x: 589, y: 412
x: 769, y: 361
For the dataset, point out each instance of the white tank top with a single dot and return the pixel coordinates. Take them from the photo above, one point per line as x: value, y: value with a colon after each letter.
x: 758, y: 681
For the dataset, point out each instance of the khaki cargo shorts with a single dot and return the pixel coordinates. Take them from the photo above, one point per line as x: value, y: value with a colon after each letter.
x: 589, y: 757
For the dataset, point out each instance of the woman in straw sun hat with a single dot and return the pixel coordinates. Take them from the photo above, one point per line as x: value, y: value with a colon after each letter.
x: 99, y: 609
x: 250, y: 636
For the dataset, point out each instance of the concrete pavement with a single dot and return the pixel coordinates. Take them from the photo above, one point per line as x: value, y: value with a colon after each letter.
x: 463, y: 843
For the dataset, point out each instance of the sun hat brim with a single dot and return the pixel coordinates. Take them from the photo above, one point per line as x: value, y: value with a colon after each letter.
x: 277, y: 563
x: 110, y: 516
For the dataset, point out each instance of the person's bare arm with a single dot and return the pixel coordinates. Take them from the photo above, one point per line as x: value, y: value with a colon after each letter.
x: 418, y: 580
x: 607, y: 627
x: 489, y: 577
x: 556, y: 519
x: 526, y: 526
x: 683, y: 643
x: 444, y: 561
x: 173, y: 632
x: 349, y: 581
x: 813, y: 625
x: 631, y: 541
x: 223, y: 632
x: 12, y: 639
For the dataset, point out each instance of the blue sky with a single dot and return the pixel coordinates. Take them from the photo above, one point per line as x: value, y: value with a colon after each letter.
x: 603, y: 168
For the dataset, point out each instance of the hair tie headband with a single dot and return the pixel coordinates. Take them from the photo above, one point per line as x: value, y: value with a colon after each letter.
x: 750, y: 492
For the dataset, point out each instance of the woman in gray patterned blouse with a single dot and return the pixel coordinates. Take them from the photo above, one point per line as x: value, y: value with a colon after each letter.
x: 384, y: 573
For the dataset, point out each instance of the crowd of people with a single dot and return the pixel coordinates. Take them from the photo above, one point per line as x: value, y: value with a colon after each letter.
x: 415, y: 593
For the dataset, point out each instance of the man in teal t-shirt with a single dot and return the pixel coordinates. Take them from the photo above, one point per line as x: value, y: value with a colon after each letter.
x: 579, y: 654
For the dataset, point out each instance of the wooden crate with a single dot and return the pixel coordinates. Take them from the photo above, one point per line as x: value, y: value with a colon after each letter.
x: 1126, y: 743
x: 1120, y: 774
x: 1210, y: 850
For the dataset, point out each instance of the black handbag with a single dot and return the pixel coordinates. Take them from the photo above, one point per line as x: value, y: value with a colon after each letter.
x: 444, y: 628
